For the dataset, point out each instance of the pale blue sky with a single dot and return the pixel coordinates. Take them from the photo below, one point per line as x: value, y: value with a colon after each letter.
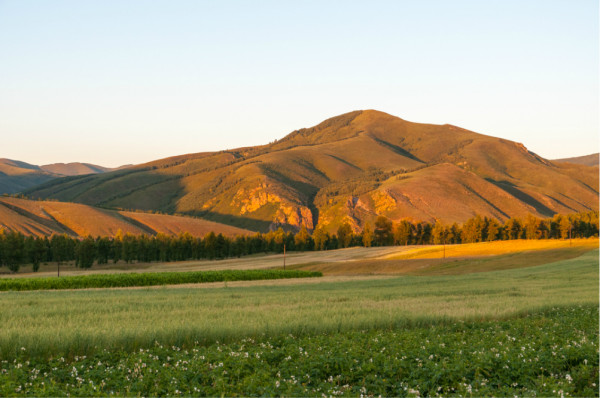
x: 114, y: 82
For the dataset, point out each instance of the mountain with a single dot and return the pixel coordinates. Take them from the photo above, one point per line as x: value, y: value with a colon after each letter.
x: 349, y: 168
x: 44, y: 218
x: 74, y: 169
x: 16, y: 176
x: 587, y: 160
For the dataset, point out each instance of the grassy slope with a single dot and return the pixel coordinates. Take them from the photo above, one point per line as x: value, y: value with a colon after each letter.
x: 442, y: 192
x: 16, y: 176
x: 75, y: 168
x: 587, y: 160
x: 48, y: 322
x: 42, y: 218
x: 473, y: 173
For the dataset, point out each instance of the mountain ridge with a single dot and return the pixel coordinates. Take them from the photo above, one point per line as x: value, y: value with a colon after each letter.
x: 16, y: 175
x: 375, y: 160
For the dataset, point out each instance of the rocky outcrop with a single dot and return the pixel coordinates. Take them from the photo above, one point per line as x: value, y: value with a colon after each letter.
x: 287, y: 213
x: 296, y: 216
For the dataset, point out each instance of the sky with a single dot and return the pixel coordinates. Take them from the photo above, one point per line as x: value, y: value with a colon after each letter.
x: 122, y: 82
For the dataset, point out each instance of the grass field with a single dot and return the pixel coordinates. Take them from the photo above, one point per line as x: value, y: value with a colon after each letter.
x: 260, y: 261
x: 463, y: 259
x: 493, y: 248
x: 527, y: 326
x: 79, y: 322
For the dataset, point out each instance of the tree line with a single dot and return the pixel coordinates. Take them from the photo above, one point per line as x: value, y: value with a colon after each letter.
x: 17, y: 249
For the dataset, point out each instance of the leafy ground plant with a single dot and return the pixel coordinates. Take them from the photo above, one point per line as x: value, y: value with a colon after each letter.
x: 148, y: 279
x: 548, y: 353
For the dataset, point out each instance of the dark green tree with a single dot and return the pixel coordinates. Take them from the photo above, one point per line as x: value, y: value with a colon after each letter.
x: 344, y: 235
x: 85, y: 253
x: 383, y: 231
x: 14, y: 247
x: 403, y: 233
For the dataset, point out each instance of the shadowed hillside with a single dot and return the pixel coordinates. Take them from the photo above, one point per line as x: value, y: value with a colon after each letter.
x: 16, y: 176
x: 350, y: 168
x: 43, y: 218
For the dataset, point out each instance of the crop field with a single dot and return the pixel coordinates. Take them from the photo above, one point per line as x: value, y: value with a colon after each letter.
x: 549, y: 353
x: 148, y: 279
x: 525, y: 330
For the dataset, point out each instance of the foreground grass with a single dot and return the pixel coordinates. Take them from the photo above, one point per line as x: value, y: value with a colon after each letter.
x: 72, y: 323
x: 148, y: 279
x: 549, y: 353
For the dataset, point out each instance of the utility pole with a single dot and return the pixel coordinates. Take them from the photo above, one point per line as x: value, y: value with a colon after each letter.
x: 444, y: 247
x: 284, y: 256
x: 570, y: 228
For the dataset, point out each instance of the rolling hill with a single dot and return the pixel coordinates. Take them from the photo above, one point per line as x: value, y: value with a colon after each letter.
x: 349, y: 168
x: 44, y: 218
x: 587, y: 160
x: 74, y: 169
x: 16, y: 176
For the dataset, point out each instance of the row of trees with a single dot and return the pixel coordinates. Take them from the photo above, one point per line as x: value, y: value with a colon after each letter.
x: 17, y: 249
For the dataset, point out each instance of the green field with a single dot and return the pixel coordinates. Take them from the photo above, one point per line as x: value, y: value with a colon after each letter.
x: 148, y: 279
x: 112, y: 326
x: 551, y: 353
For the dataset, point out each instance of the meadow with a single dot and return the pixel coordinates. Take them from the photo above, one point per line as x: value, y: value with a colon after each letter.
x: 194, y: 341
x: 458, y: 259
x: 80, y: 322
